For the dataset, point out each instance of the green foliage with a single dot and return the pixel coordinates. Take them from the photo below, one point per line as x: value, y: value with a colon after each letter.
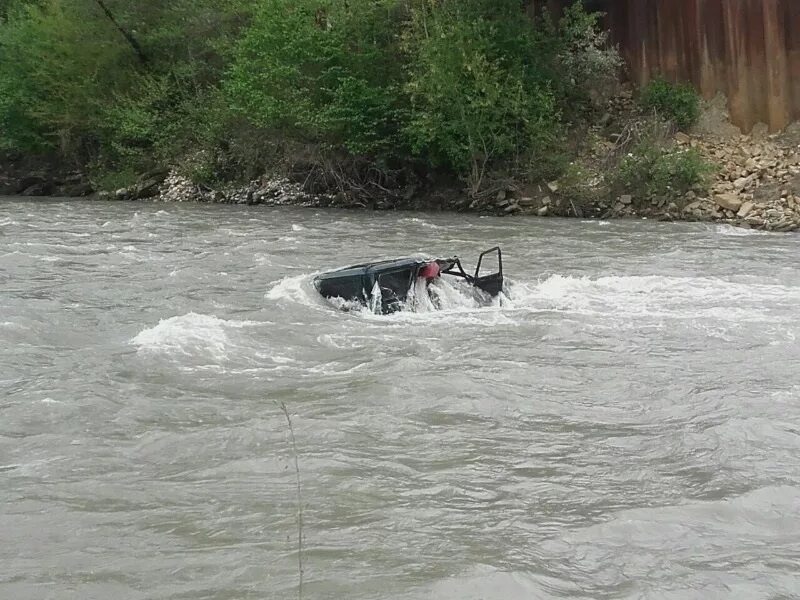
x: 581, y: 185
x: 651, y: 170
x: 53, y: 81
x: 71, y: 84
x: 471, y: 87
x: 679, y: 103
x: 321, y: 71
x: 476, y: 93
x: 110, y: 180
x: 588, y: 64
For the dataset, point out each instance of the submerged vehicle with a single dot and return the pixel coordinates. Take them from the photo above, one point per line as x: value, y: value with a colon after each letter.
x: 387, y: 285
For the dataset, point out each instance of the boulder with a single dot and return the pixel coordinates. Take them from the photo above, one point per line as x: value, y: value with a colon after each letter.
x: 149, y: 187
x: 729, y: 201
x: 75, y: 190
x: 693, y: 206
x: 745, y: 209
x: 37, y: 189
x: 29, y: 181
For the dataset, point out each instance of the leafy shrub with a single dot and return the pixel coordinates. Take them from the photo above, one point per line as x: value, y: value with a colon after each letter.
x: 320, y: 71
x: 589, y: 65
x: 71, y: 85
x: 581, y: 184
x: 651, y: 171
x: 477, y: 96
x: 53, y: 81
x: 678, y: 102
x: 471, y: 87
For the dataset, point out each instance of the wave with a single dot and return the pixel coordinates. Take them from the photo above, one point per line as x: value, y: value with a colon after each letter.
x: 190, y: 334
x: 420, y: 222
x: 294, y: 288
x: 653, y: 296
x: 732, y: 231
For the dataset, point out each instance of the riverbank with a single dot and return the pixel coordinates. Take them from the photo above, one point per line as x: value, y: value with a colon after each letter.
x: 756, y: 185
x: 755, y: 182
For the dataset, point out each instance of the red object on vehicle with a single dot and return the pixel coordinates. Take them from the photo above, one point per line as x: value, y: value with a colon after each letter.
x: 430, y: 271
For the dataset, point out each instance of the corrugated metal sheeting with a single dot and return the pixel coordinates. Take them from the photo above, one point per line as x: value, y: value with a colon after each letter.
x: 748, y: 49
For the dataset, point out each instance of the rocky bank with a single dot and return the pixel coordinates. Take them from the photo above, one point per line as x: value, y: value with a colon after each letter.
x: 756, y: 184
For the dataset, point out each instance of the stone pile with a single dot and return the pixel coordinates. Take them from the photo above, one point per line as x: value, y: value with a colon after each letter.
x: 267, y: 191
x: 757, y: 184
x: 177, y: 188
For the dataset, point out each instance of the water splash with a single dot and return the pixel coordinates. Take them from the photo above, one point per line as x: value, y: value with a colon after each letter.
x: 629, y: 299
x: 376, y: 300
x: 189, y: 334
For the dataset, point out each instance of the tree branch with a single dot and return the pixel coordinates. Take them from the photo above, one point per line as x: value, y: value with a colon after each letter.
x: 137, y: 48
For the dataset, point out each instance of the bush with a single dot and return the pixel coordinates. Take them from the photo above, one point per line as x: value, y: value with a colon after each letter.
x: 54, y: 82
x: 71, y: 86
x: 677, y: 102
x: 589, y: 65
x: 652, y: 171
x: 473, y: 88
x: 478, y: 87
x: 321, y: 72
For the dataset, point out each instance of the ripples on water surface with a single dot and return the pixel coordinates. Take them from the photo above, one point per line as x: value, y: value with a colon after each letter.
x: 626, y: 425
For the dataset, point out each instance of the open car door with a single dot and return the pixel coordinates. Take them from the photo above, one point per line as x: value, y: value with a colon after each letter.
x: 488, y: 272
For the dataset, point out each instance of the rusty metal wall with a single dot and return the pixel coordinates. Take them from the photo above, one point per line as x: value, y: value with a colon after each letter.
x: 748, y: 49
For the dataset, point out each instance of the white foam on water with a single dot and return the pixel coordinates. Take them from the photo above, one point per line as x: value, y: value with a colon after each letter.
x: 294, y: 288
x: 234, y: 232
x: 653, y: 296
x: 296, y: 227
x: 448, y: 299
x: 190, y: 334
x: 731, y: 231
x: 420, y: 222
x: 339, y: 341
x: 634, y: 299
x: 376, y: 299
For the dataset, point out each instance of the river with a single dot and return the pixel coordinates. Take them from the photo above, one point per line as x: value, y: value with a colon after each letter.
x: 624, y: 423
